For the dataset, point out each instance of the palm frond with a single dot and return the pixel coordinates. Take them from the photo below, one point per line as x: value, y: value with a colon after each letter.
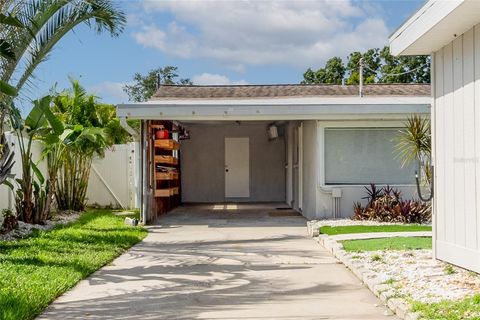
x: 47, y: 22
x: 414, y: 141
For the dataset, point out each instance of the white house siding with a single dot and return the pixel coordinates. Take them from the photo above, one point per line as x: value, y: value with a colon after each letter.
x: 456, y: 121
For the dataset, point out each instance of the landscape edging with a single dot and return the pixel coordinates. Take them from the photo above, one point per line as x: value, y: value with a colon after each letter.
x: 398, y: 306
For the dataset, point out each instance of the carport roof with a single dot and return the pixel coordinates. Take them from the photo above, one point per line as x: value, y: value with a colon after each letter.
x: 286, y: 90
x: 281, y: 102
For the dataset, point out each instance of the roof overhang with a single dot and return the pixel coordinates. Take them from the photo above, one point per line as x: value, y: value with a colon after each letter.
x: 435, y: 25
x: 277, y: 109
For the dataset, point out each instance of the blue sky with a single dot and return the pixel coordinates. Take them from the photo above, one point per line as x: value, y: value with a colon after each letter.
x: 220, y: 42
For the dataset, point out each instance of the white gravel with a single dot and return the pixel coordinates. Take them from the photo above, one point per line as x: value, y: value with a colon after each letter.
x: 417, y: 276
x: 25, y: 229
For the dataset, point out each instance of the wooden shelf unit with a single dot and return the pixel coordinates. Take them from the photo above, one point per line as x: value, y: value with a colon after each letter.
x: 166, y: 160
x: 167, y: 144
x: 159, y: 176
x: 164, y: 153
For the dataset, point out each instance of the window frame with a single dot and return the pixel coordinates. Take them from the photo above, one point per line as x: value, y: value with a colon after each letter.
x: 354, y: 124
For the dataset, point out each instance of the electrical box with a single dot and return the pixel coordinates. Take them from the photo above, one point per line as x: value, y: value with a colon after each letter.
x: 336, y: 193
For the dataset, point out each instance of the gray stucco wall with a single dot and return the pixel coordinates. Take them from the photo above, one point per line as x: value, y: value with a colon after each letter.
x: 203, y: 161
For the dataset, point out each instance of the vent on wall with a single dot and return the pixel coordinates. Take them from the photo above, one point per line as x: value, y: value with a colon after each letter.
x: 336, y: 196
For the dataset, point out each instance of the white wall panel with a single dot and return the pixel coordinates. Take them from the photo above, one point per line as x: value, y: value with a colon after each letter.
x: 469, y: 140
x: 113, y: 179
x: 439, y: 156
x: 457, y: 153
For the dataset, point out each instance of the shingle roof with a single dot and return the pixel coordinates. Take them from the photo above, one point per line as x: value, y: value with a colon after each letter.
x: 286, y: 90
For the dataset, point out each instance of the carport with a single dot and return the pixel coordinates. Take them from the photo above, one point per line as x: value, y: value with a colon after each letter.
x: 254, y: 143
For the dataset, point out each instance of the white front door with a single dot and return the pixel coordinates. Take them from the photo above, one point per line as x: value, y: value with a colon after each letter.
x: 237, y: 167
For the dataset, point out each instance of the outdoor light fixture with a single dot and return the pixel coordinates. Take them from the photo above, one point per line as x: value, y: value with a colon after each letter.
x: 272, y: 132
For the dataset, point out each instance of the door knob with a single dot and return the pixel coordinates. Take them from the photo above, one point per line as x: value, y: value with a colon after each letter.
x: 226, y: 170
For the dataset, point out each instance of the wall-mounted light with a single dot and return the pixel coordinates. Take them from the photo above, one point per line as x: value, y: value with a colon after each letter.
x: 272, y: 132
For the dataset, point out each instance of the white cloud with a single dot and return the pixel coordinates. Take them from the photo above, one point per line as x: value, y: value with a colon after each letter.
x: 239, y: 33
x: 109, y: 91
x: 214, y: 79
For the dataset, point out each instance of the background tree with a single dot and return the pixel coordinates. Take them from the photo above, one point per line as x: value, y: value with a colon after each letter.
x: 370, y: 58
x: 403, y: 65
x: 379, y: 65
x: 332, y: 73
x: 144, y: 86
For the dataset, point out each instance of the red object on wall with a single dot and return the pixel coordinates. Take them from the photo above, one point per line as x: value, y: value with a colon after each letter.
x: 161, y: 134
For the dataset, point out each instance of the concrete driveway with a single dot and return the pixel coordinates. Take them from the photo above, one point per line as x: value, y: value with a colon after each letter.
x: 228, y: 263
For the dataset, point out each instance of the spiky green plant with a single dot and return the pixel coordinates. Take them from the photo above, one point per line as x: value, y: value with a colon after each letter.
x: 414, y: 143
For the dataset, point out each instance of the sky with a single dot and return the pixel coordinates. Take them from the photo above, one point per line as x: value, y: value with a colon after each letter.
x: 219, y: 42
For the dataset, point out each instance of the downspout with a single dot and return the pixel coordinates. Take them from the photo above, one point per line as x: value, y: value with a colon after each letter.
x: 130, y: 130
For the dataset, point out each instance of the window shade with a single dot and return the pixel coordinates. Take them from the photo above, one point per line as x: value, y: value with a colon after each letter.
x: 363, y: 156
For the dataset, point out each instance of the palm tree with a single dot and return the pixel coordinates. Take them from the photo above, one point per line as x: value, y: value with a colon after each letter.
x: 45, y: 23
x: 414, y: 144
x: 29, y: 29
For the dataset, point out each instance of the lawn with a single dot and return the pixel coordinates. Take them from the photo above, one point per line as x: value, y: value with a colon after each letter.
x: 36, y: 270
x: 396, y: 243
x: 468, y: 308
x: 367, y: 229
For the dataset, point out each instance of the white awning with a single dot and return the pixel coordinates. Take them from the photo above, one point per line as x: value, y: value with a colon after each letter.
x: 435, y: 25
x: 330, y: 108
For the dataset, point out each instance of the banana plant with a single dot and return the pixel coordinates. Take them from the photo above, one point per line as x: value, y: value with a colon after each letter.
x: 6, y: 160
x: 32, y: 190
x: 7, y: 93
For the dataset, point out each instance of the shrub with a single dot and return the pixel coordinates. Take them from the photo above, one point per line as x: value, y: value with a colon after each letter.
x: 387, y: 205
x: 9, y: 222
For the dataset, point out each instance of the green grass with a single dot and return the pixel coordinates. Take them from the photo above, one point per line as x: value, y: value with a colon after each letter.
x: 389, y: 281
x: 377, y: 257
x: 449, y: 269
x: 367, y: 229
x: 36, y: 270
x: 397, y: 243
x: 468, y: 308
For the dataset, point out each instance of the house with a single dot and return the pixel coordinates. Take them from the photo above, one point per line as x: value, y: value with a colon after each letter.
x: 311, y: 147
x: 449, y: 31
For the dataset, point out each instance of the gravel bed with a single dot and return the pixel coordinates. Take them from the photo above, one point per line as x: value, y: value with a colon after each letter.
x: 25, y: 229
x: 414, y: 274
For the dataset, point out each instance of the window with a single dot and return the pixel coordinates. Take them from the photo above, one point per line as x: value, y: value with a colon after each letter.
x: 363, y: 156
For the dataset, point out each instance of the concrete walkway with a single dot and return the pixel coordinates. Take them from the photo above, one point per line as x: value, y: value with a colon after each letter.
x: 241, y: 263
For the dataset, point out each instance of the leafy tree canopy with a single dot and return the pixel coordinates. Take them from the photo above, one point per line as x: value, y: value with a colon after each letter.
x: 379, y: 67
x: 75, y: 107
x: 144, y: 86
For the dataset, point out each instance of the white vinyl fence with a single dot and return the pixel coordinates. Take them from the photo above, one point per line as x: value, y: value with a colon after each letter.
x: 113, y: 179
